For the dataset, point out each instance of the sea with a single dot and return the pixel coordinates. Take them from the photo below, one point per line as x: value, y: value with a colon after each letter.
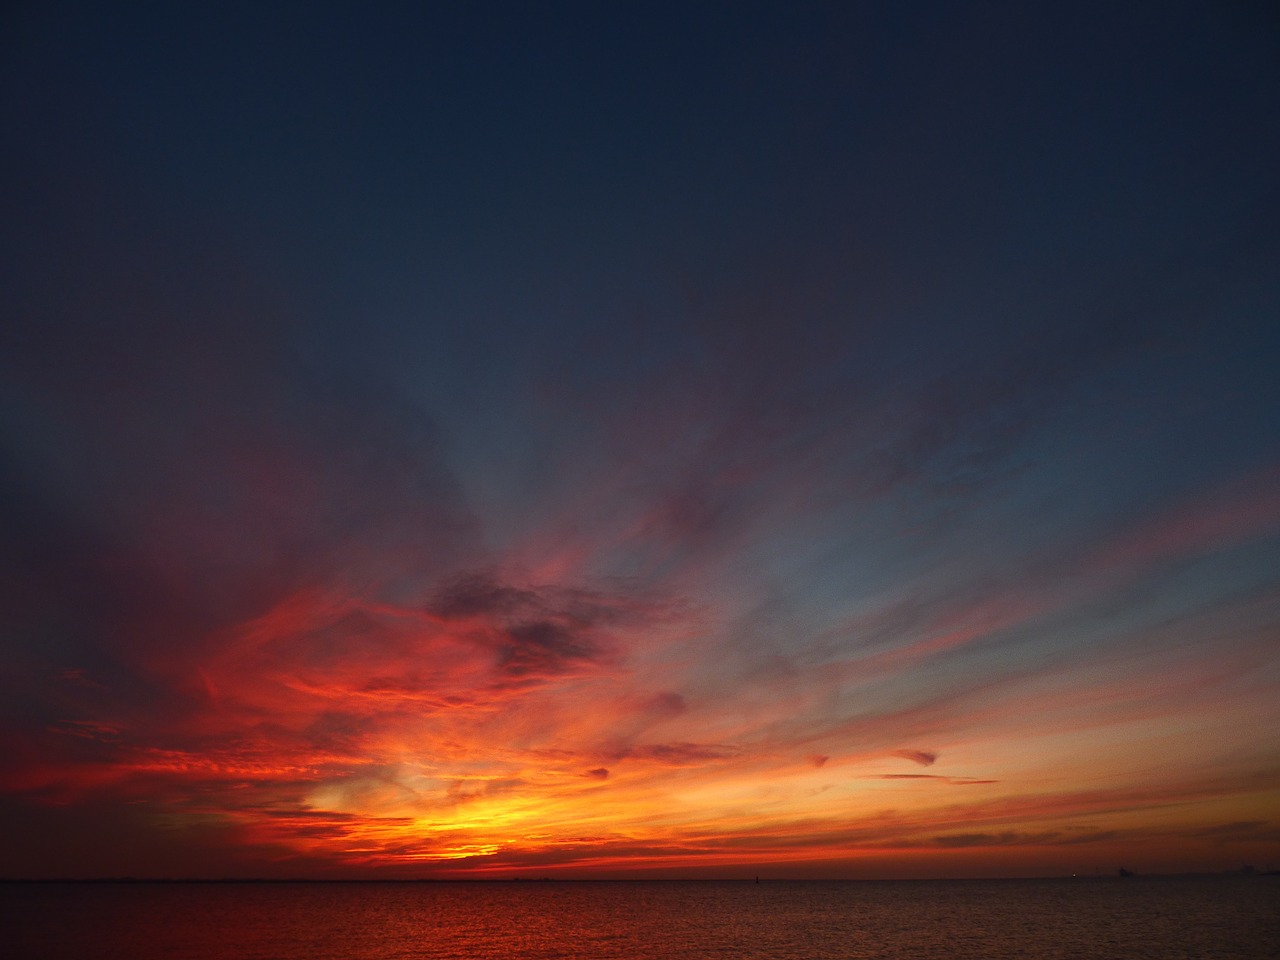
x: 1233, y: 918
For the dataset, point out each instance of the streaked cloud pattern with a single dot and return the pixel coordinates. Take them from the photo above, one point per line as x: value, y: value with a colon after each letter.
x: 851, y: 530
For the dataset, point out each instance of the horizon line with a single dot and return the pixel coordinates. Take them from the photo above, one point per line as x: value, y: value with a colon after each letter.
x: 1242, y: 872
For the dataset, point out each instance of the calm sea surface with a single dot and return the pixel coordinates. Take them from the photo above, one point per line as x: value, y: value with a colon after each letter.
x: 787, y: 920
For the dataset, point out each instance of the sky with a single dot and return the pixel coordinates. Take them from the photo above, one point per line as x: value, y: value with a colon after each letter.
x: 639, y: 440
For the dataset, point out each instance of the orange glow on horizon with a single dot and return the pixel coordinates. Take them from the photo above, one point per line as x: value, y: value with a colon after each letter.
x: 504, y: 725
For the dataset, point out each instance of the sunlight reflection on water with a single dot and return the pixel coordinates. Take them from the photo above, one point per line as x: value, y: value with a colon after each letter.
x: 785, y: 920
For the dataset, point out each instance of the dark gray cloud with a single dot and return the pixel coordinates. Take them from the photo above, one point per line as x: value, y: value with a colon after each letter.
x: 543, y: 647
x: 543, y: 631
x: 477, y: 594
x: 925, y: 758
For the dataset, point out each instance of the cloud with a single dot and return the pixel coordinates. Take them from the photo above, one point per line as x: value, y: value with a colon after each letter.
x: 907, y: 776
x: 539, y: 632
x: 480, y: 595
x: 958, y: 781
x: 665, y: 705
x: 1244, y: 509
x: 925, y: 758
x: 678, y: 754
x: 542, y: 648
x: 1093, y: 836
x: 1239, y: 830
x: 1003, y: 839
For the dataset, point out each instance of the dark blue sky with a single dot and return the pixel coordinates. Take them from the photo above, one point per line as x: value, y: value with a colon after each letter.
x: 787, y: 381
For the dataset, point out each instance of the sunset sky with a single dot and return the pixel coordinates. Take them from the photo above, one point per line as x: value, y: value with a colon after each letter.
x: 707, y: 439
